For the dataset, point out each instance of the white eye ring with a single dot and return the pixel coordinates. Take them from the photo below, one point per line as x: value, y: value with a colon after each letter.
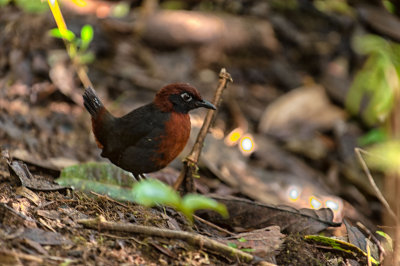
x: 186, y: 97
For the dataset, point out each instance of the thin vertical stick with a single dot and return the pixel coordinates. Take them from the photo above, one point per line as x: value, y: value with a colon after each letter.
x: 62, y: 26
x: 378, y: 193
x: 190, y: 163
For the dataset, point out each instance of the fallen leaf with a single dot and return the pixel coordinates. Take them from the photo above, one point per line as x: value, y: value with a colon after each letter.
x: 301, y: 110
x: 29, y: 194
x: 44, y: 238
x: 22, y: 172
x: 358, y: 239
x: 340, y: 246
x: 248, y: 214
x: 264, y: 243
x: 53, y: 163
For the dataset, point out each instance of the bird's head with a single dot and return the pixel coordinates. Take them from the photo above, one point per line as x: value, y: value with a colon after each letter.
x: 180, y: 98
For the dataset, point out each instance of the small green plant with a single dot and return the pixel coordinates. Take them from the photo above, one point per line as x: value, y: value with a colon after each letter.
x: 241, y: 240
x: 232, y: 245
x: 385, y: 156
x: 377, y: 85
x: 341, y: 246
x: 152, y: 192
x: 4, y: 2
x: 78, y: 46
x: 29, y: 6
x: 107, y: 179
x: 389, y: 6
x: 388, y: 240
x: 377, y: 81
x: 330, y: 6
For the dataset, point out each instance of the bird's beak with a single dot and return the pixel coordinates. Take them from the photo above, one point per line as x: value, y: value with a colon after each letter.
x: 205, y: 104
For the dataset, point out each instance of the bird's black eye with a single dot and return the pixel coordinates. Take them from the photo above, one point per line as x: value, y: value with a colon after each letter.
x: 186, y: 97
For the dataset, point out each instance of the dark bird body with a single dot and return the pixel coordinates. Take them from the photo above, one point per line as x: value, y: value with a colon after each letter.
x: 148, y: 138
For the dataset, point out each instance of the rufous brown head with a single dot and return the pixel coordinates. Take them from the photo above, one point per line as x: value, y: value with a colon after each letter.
x: 180, y: 98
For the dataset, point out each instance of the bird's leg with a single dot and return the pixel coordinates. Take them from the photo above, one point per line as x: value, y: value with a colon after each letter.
x: 138, y: 177
x: 135, y: 177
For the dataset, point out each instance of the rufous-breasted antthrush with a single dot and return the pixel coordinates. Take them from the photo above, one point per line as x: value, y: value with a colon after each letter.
x: 148, y: 138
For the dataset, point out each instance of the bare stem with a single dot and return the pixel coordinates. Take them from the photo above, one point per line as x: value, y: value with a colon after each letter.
x: 79, y: 68
x: 378, y: 193
x: 190, y: 163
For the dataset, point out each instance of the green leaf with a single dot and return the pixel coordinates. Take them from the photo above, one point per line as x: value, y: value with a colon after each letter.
x: 232, y: 245
x: 103, y: 172
x: 102, y: 178
x: 173, y: 5
x: 388, y: 239
x: 193, y: 202
x: 334, y: 6
x: 120, y: 10
x: 32, y: 6
x: 86, y: 36
x: 385, y: 156
x: 65, y: 34
x: 375, y: 135
x: 108, y: 179
x: 389, y: 6
x: 242, y: 240
x: 152, y: 192
x: 340, y: 245
x: 249, y: 250
x: 86, y: 58
x: 4, y: 2
x: 369, y: 43
x: 376, y: 81
x: 55, y: 33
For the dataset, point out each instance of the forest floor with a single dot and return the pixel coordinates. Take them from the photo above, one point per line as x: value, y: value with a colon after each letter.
x: 291, y: 72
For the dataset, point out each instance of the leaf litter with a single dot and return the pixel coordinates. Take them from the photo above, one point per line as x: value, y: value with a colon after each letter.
x: 45, y: 130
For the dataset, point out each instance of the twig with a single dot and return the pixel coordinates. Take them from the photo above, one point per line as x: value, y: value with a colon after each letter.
x: 9, y: 253
x: 377, y: 242
x: 126, y: 238
x: 195, y: 239
x: 190, y: 163
x: 80, y: 70
x: 109, y: 199
x: 369, y: 255
x: 212, y: 225
x: 378, y: 193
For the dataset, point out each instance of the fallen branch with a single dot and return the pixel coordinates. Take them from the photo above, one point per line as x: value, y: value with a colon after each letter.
x: 190, y: 163
x: 192, y: 238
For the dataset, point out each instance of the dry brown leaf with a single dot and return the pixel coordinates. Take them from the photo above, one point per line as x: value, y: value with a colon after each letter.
x: 302, y: 109
x: 264, y: 243
x: 248, y: 214
x: 21, y: 171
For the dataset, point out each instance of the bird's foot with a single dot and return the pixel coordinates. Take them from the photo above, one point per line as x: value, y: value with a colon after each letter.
x: 139, y: 177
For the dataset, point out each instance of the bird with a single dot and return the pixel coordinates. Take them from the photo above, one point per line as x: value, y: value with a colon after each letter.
x: 148, y: 138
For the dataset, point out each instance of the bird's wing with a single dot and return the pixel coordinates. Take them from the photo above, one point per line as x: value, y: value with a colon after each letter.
x: 140, y: 123
x: 137, y: 128
x: 138, y: 160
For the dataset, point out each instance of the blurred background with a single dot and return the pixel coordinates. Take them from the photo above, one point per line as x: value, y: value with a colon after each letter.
x: 312, y: 81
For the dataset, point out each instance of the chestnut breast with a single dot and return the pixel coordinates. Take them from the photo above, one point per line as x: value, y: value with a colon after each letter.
x: 174, y: 139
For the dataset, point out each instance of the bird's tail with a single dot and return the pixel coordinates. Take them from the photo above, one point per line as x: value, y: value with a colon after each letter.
x: 92, y: 102
x: 102, y: 120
